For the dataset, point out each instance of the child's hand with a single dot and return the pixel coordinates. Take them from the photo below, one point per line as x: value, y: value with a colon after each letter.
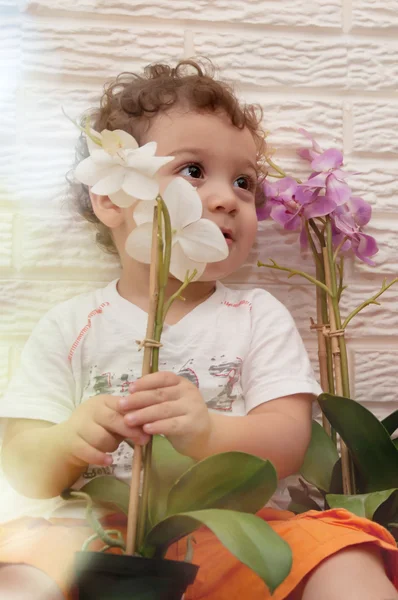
x: 96, y: 428
x: 165, y: 403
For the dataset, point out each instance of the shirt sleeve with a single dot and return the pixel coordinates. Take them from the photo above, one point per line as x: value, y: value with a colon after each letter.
x: 43, y: 386
x: 277, y: 363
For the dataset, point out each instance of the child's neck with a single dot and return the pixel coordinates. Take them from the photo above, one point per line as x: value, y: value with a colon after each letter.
x: 135, y: 289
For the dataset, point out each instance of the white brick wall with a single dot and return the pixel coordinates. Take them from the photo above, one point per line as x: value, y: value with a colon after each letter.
x: 329, y: 65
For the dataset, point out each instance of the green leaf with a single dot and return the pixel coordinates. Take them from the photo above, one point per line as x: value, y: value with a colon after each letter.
x: 391, y: 422
x: 249, y: 538
x: 320, y: 458
x: 167, y: 466
x: 232, y: 480
x: 362, y: 505
x: 368, y: 441
x: 110, y: 491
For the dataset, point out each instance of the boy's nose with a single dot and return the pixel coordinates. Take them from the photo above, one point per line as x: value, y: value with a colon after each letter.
x: 222, y: 200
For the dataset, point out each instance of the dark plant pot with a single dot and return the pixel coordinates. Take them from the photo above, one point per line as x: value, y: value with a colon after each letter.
x: 102, y: 576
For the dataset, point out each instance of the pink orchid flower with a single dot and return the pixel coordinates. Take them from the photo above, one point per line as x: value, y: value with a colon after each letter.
x: 347, y: 222
x: 327, y: 174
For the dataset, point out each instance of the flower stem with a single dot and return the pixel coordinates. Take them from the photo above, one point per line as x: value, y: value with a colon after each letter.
x: 163, y: 257
x: 275, y: 167
x: 371, y: 300
x: 319, y: 234
x: 135, y: 506
x: 345, y: 391
x: 292, y: 272
x: 339, y: 352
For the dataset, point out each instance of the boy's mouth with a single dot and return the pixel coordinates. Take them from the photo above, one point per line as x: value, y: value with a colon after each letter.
x: 227, y: 233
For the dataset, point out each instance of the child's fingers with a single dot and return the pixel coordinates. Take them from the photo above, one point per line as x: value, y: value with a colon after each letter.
x: 148, y: 398
x: 112, y: 421
x: 169, y: 427
x: 85, y: 452
x: 155, y: 412
x: 152, y: 381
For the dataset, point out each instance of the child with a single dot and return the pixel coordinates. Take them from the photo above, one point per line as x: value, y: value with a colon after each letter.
x: 78, y: 393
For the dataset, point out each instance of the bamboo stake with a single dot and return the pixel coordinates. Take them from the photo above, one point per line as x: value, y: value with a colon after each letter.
x: 322, y: 355
x: 345, y: 457
x: 134, y: 499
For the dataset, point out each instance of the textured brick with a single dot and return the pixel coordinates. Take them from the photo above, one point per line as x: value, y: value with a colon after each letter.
x: 375, y: 127
x: 377, y: 181
x: 283, y: 119
x: 386, y: 234
x: 373, y: 320
x: 25, y: 302
x: 10, y: 36
x: 98, y: 50
x: 60, y: 244
x: 5, y: 240
x: 4, y: 368
x: 269, y: 12
x: 374, y: 13
x: 372, y: 65
x: 41, y: 184
x: 276, y: 60
x: 376, y: 379
x: 43, y: 119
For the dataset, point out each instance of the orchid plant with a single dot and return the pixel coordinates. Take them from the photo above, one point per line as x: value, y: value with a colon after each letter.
x: 178, y: 495
x: 330, y: 220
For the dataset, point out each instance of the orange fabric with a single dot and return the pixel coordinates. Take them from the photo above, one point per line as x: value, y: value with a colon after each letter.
x: 313, y: 536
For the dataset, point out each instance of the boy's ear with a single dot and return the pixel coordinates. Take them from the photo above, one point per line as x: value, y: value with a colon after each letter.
x: 108, y: 213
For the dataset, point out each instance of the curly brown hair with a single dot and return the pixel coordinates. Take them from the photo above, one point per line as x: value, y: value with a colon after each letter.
x: 131, y: 100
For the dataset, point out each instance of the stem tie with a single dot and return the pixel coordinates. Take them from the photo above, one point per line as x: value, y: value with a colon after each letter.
x: 318, y: 326
x: 147, y: 343
x: 337, y: 333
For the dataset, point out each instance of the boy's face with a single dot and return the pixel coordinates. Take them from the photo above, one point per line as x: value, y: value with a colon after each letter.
x: 220, y: 161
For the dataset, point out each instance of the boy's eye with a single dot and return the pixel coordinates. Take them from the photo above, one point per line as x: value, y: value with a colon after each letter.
x: 245, y: 183
x: 193, y: 171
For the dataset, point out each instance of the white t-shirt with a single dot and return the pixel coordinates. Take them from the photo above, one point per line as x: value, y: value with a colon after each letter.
x: 240, y: 347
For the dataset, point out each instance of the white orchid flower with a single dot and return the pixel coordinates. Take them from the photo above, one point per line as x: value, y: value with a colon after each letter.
x: 195, y: 241
x: 117, y: 167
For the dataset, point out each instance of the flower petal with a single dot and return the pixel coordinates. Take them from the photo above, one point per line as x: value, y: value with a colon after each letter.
x: 139, y: 243
x: 183, y: 203
x: 91, y: 145
x: 140, y: 186
x: 337, y: 190
x: 307, y: 154
x: 122, y: 199
x: 364, y: 246
x: 143, y: 212
x: 128, y: 140
x: 330, y: 159
x: 102, y: 158
x: 88, y: 172
x: 180, y: 264
x: 146, y: 163
x: 203, y: 241
x: 307, y: 134
x: 322, y: 206
x: 286, y: 218
x: 111, y: 182
x: 263, y: 212
x: 360, y: 210
x: 315, y: 180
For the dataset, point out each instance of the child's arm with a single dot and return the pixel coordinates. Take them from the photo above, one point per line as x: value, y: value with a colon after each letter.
x: 279, y: 430
x: 41, y: 459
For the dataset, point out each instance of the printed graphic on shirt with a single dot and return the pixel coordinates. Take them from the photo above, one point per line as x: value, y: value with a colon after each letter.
x: 231, y: 390
x: 108, y: 383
